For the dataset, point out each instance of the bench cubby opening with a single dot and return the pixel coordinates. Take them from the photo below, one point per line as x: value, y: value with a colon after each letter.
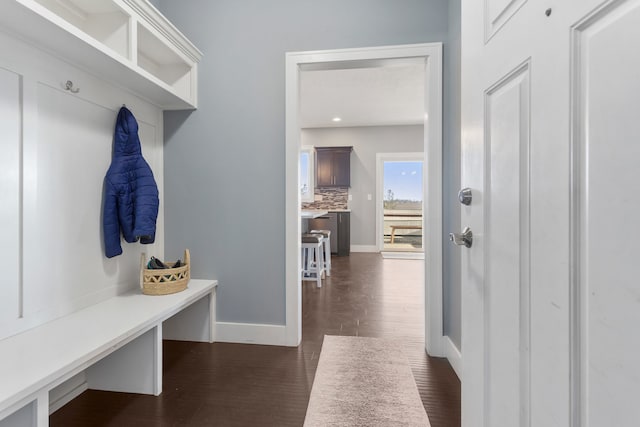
x: 102, y: 20
x: 163, y: 62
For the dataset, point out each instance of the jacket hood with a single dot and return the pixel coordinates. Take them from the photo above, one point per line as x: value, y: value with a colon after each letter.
x: 126, y: 141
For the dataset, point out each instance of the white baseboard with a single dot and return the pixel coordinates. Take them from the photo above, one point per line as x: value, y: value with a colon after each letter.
x: 364, y: 248
x: 67, y: 391
x: 454, y: 356
x: 251, y: 333
x: 403, y: 255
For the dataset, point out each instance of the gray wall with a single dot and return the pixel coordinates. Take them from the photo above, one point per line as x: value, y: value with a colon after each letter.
x: 224, y: 163
x: 366, y: 142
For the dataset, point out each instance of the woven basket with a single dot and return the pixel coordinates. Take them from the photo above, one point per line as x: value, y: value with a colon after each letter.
x: 165, y: 281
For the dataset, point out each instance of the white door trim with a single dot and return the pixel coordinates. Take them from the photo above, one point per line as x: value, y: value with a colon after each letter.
x: 432, y: 54
x: 380, y: 159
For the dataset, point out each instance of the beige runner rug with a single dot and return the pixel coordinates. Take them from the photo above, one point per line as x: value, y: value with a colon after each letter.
x: 364, y: 382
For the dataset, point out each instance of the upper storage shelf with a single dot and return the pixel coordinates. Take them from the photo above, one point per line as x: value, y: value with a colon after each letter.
x: 127, y: 42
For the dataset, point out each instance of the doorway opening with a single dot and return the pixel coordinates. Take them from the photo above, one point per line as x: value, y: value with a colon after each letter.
x: 399, y: 207
x: 430, y: 55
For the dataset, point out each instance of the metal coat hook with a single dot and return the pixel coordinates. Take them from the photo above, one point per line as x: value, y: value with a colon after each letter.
x: 69, y: 86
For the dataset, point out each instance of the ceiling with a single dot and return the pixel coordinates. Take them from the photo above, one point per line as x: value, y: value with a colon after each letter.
x: 374, y: 94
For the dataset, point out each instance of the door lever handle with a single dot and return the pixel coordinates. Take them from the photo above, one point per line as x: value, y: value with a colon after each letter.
x: 464, y: 239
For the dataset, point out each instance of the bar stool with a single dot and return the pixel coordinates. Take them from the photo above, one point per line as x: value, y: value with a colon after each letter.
x: 312, y: 259
x: 326, y: 243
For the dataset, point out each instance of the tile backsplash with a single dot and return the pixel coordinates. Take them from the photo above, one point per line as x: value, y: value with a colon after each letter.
x: 332, y: 198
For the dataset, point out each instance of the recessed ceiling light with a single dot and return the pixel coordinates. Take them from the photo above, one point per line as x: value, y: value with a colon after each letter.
x: 336, y: 119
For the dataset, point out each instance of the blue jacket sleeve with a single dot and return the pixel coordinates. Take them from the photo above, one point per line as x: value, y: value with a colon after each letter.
x: 110, y: 222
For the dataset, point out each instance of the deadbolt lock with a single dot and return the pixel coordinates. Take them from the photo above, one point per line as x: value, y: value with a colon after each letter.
x: 464, y: 196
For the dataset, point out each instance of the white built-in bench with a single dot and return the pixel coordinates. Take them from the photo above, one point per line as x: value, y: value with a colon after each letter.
x: 117, y: 344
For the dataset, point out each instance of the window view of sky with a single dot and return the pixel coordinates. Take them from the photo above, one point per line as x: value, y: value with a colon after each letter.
x: 404, y: 179
x: 304, y: 173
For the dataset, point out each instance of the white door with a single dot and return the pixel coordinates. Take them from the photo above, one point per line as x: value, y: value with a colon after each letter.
x: 550, y: 149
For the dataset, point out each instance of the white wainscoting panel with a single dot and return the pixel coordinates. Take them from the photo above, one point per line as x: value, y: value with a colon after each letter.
x: 57, y: 147
x: 10, y: 194
x: 74, y: 151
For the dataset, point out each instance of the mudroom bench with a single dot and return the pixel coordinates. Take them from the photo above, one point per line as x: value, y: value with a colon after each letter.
x: 116, y: 343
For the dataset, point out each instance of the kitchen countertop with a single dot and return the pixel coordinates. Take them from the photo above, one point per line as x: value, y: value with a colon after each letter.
x: 306, y: 213
x: 312, y: 213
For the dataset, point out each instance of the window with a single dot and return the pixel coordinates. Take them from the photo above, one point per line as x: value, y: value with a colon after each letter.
x: 306, y: 174
x: 402, y: 205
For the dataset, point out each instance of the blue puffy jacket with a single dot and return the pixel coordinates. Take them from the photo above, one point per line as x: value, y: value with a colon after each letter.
x: 131, y: 194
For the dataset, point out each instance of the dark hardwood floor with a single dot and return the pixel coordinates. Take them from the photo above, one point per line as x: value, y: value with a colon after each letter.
x: 249, y: 385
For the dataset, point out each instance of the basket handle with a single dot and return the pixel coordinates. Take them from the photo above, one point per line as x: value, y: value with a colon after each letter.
x: 187, y: 261
x: 143, y: 262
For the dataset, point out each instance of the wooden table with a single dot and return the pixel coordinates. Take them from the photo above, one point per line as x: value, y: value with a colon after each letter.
x: 402, y: 227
